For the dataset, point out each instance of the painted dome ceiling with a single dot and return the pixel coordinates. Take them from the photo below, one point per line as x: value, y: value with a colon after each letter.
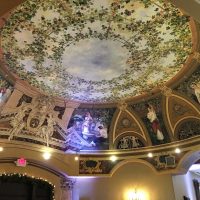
x: 96, y: 50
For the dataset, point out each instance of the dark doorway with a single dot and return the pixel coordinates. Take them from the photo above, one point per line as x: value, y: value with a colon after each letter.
x: 19, y: 187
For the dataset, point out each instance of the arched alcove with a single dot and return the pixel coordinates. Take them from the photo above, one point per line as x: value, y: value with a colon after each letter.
x: 187, y: 128
x: 25, y: 187
x: 184, y: 183
x: 32, y: 172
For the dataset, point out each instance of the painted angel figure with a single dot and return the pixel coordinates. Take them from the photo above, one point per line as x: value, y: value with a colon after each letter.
x: 47, y: 130
x: 18, y: 122
x: 151, y: 115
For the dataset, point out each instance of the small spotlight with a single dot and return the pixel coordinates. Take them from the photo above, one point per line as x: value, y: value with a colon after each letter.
x: 113, y: 158
x: 76, y: 158
x: 46, y: 155
x: 150, y: 155
x: 177, y: 150
x: 1, y: 148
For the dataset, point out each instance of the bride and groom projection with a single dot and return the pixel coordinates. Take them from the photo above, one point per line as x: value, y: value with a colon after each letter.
x: 88, y: 130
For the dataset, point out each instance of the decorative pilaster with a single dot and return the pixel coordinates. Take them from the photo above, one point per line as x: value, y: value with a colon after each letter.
x: 67, y: 188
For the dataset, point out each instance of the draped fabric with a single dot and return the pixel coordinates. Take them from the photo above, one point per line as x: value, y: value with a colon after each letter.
x: 21, y: 191
x: 16, y: 189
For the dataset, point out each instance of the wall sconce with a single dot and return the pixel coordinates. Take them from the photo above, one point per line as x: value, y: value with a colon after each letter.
x: 135, y: 195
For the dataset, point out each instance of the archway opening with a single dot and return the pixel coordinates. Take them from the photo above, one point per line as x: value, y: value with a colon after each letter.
x: 187, y: 186
x: 22, y: 187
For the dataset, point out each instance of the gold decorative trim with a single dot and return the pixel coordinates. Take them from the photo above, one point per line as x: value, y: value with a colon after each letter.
x: 196, y: 56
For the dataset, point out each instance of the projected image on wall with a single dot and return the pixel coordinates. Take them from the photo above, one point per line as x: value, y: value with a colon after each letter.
x: 89, y: 129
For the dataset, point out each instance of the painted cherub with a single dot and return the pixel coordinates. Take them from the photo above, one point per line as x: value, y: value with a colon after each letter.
x: 46, y: 131
x: 17, y: 121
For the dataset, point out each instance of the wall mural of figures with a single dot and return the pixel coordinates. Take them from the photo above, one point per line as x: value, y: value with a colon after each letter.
x: 88, y: 129
x: 151, y: 114
x: 5, y: 91
x: 188, y: 129
x: 155, y: 125
x: 191, y: 86
x: 129, y: 142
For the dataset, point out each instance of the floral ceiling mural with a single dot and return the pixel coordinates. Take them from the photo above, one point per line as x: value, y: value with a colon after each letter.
x: 96, y: 51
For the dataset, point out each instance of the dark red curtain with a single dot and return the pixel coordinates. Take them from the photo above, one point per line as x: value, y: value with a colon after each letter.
x: 21, y: 189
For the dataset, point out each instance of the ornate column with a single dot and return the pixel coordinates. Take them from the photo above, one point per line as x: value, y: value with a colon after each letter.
x: 67, y: 188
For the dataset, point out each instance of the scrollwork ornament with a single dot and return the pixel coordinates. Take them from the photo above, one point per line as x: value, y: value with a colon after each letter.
x: 122, y: 105
x: 94, y: 169
x: 67, y: 183
x: 166, y: 91
x: 168, y: 162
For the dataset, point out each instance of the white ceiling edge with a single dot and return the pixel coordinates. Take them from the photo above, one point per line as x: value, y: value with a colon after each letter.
x: 194, y: 167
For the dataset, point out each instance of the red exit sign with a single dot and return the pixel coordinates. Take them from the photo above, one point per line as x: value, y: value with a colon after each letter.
x: 21, y: 162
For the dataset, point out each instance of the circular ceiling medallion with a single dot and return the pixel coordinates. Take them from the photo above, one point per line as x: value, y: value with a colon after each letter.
x: 126, y: 122
x: 96, y: 50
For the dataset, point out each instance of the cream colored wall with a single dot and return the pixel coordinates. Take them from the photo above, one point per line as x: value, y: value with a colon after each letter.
x: 130, y: 175
x: 35, y: 172
x: 59, y: 161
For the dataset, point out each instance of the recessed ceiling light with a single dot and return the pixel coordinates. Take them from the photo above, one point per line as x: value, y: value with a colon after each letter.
x: 113, y: 158
x: 76, y: 158
x: 150, y: 155
x: 1, y: 148
x: 177, y: 150
x: 46, y: 155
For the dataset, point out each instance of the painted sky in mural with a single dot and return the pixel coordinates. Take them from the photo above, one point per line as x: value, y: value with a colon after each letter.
x: 96, y: 51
